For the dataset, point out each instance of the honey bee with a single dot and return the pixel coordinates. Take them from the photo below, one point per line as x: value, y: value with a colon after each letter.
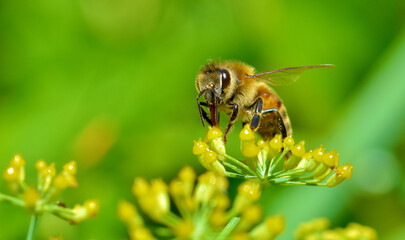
x: 234, y: 88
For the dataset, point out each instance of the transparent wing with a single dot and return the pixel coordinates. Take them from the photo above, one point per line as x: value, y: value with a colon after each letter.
x: 285, y: 76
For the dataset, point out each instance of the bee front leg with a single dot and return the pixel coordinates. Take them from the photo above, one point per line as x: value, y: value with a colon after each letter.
x: 232, y: 120
x: 258, y: 105
x: 203, y: 113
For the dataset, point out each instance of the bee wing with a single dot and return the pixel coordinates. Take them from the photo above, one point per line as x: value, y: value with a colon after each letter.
x: 285, y: 76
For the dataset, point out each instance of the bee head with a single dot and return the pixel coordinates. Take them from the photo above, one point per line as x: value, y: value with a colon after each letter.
x: 213, y: 82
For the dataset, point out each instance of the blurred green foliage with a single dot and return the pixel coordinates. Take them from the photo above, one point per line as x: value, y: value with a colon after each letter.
x: 111, y: 85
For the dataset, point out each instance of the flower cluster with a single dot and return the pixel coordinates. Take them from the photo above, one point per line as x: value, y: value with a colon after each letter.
x: 39, y: 200
x: 318, y: 229
x: 277, y: 161
x: 202, y: 210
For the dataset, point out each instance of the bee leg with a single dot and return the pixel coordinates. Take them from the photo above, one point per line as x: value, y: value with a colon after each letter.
x: 203, y: 114
x: 231, y: 120
x: 281, y: 128
x: 258, y: 105
x: 280, y: 121
x: 281, y: 125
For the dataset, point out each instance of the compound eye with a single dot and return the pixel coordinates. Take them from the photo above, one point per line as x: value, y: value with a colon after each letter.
x: 225, y: 78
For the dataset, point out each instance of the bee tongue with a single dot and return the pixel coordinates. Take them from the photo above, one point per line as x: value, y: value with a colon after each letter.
x: 213, y: 114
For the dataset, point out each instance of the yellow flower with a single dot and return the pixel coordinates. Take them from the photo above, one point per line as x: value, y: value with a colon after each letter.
x: 88, y: 210
x: 41, y: 199
x: 11, y: 174
x: 275, y: 162
x: 31, y: 197
x: 202, y: 208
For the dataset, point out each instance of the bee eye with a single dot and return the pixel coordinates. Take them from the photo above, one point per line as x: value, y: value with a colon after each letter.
x: 225, y: 78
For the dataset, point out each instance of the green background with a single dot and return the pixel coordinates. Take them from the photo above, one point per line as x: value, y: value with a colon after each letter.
x: 110, y: 84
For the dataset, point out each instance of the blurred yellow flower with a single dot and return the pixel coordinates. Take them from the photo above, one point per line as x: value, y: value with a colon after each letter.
x: 204, y: 210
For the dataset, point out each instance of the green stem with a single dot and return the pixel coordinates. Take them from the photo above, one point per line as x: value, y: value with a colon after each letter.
x: 235, y: 168
x: 264, y: 159
x: 289, y: 172
x: 11, y: 199
x: 226, y: 232
x: 23, y: 185
x: 275, y: 163
x: 179, y: 202
x: 171, y: 219
x: 292, y: 183
x: 202, y: 218
x: 31, y: 229
x: 236, y: 175
x: 240, y: 164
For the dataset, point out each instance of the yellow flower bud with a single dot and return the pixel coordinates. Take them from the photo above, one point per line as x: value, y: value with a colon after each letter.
x: 209, y: 185
x: 210, y: 156
x: 79, y: 211
x: 31, y: 197
x: 176, y: 188
x: 158, y: 186
x: 314, y: 226
x: 11, y: 174
x: 218, y: 218
x: 299, y: 149
x: 70, y: 167
x: 48, y: 171
x: 247, y: 134
x: 140, y: 187
x: 141, y: 233
x: 269, y: 229
x: 307, y: 155
x: 40, y: 165
x: 187, y: 174
x: 207, y: 178
x: 331, y: 158
x: 199, y: 147
x: 222, y: 201
x: 91, y: 207
x: 157, y: 204
x: 263, y: 145
x: 213, y: 133
x: 250, y: 149
x: 345, y: 170
x: 252, y: 213
x: 288, y: 142
x: 240, y: 236
x: 318, y: 153
x: 126, y: 211
x: 183, y: 230
x: 341, y: 173
x: 17, y: 161
x: 275, y: 224
x: 357, y: 231
x: 250, y: 189
x: 277, y: 142
x: 218, y: 168
x: 64, y: 180
x: 221, y: 182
